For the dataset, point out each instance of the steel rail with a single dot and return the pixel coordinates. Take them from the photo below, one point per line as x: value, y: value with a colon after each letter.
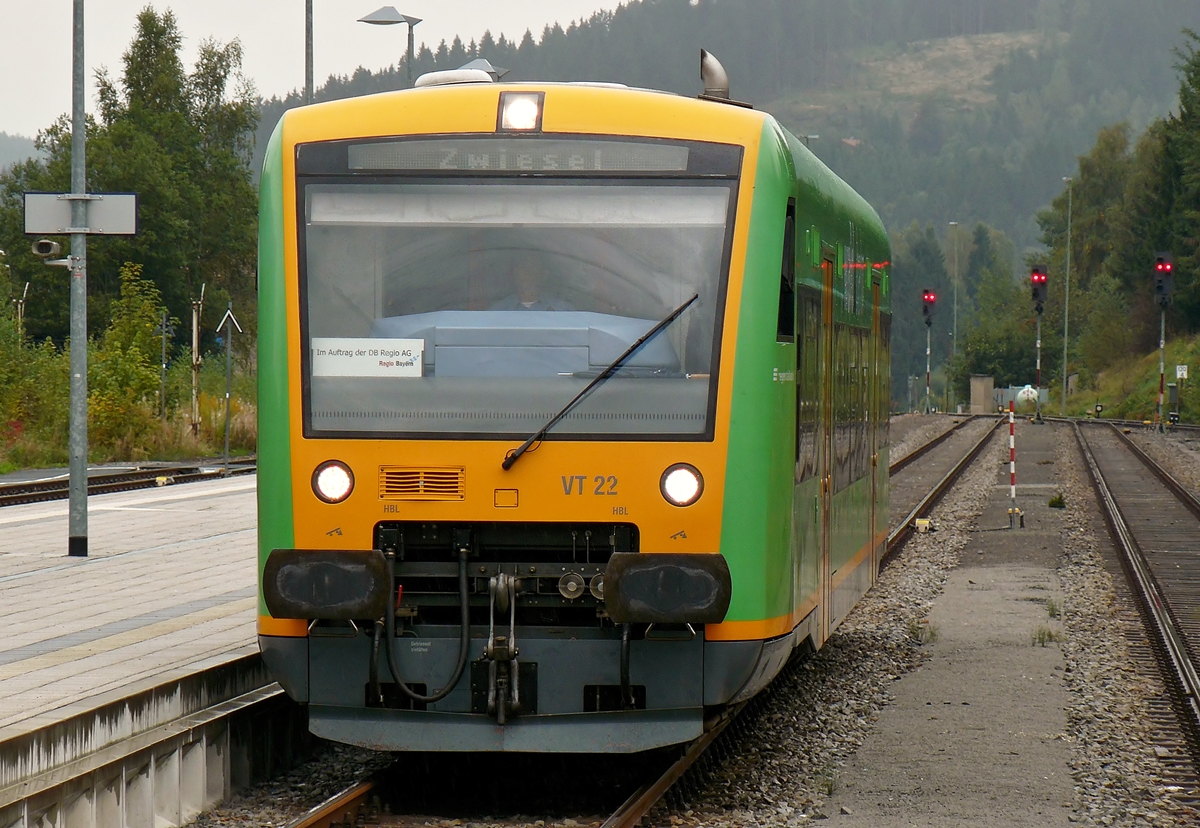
x: 645, y: 798
x: 936, y: 441
x: 335, y: 810
x: 900, y: 533
x: 1149, y: 596
x: 38, y: 491
x: 1185, y: 497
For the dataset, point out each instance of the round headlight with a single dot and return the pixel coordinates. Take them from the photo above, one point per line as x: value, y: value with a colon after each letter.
x: 333, y: 481
x: 682, y: 484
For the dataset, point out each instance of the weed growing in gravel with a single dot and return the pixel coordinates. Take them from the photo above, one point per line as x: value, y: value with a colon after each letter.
x: 1044, y: 635
x: 829, y: 781
x: 1058, y: 502
x: 1052, y: 608
x: 922, y: 631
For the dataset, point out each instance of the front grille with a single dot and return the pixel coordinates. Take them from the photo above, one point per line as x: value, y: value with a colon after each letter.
x: 403, y: 483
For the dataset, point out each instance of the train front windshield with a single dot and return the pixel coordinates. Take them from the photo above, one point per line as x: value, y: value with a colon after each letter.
x: 456, y: 308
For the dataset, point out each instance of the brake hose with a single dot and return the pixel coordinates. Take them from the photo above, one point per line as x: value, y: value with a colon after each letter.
x: 464, y: 642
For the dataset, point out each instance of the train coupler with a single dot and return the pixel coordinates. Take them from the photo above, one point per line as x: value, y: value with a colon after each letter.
x: 501, y: 651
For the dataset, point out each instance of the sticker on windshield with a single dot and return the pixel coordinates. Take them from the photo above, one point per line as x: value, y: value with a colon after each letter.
x: 347, y: 357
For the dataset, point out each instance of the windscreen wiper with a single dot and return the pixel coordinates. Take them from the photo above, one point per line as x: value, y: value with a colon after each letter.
x: 515, y: 455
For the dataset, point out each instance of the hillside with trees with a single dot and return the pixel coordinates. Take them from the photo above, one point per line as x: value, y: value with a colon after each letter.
x: 935, y: 110
x: 938, y: 111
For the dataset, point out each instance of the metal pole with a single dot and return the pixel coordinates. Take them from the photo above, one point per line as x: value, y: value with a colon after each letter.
x: 195, y: 368
x: 927, y: 369
x: 1013, y: 511
x: 410, y: 55
x: 197, y: 310
x: 21, y: 315
x: 954, y: 328
x: 954, y: 342
x: 77, y: 540
x: 162, y: 374
x: 1162, y: 344
x: 228, y: 382
x: 1039, y: 366
x: 1066, y: 298
x: 308, y: 52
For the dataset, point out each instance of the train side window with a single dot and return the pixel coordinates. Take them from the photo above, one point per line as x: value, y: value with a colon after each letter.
x: 808, y: 383
x: 786, y: 326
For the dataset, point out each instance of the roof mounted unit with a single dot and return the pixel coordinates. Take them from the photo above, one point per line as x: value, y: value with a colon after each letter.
x: 486, y: 65
x: 450, y: 76
x: 716, y: 80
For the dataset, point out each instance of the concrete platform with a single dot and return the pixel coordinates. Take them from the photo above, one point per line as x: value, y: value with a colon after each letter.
x: 976, y: 736
x: 170, y: 582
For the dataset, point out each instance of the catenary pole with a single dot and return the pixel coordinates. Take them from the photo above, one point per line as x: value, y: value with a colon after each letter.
x: 77, y: 438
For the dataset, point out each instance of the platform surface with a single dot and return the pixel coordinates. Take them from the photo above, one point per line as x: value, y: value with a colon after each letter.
x: 170, y: 581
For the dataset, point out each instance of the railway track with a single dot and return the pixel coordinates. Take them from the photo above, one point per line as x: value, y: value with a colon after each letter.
x: 903, y: 528
x: 57, y: 488
x: 360, y: 804
x: 1155, y: 524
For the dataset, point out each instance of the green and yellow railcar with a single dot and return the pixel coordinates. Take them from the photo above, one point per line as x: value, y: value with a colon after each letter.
x: 573, y: 412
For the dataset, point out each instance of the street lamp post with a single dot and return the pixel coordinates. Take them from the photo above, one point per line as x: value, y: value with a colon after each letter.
x: 77, y: 510
x: 308, y: 52
x: 1066, y: 296
x: 388, y: 16
x: 954, y: 329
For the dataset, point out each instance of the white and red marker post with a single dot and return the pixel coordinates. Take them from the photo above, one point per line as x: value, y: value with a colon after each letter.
x: 1013, y: 511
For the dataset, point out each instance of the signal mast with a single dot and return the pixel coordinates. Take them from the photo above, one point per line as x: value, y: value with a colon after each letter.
x: 929, y: 298
x: 1164, y: 286
x: 1037, y: 280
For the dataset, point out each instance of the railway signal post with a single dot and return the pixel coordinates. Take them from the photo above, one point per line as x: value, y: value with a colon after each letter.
x: 928, y: 298
x: 1164, y: 286
x: 1038, y: 281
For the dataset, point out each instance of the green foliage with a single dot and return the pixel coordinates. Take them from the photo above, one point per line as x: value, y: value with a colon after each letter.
x: 183, y: 143
x: 123, y: 375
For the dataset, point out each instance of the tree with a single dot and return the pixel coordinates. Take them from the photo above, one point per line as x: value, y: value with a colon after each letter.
x: 182, y: 142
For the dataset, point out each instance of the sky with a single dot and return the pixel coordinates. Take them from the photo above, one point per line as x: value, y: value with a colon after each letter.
x: 35, y: 52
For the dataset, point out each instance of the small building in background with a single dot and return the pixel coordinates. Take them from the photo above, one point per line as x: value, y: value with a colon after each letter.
x: 982, y: 392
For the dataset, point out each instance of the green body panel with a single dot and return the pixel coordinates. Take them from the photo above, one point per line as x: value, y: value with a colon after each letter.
x: 275, y: 527
x: 770, y: 532
x: 757, y: 512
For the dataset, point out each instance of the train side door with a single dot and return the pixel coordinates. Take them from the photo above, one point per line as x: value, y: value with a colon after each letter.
x: 825, y: 462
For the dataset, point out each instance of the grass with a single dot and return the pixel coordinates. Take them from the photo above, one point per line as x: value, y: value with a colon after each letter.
x: 921, y: 631
x: 1058, y: 501
x: 1052, y: 608
x: 1128, y: 389
x: 1044, y: 635
x: 829, y: 781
